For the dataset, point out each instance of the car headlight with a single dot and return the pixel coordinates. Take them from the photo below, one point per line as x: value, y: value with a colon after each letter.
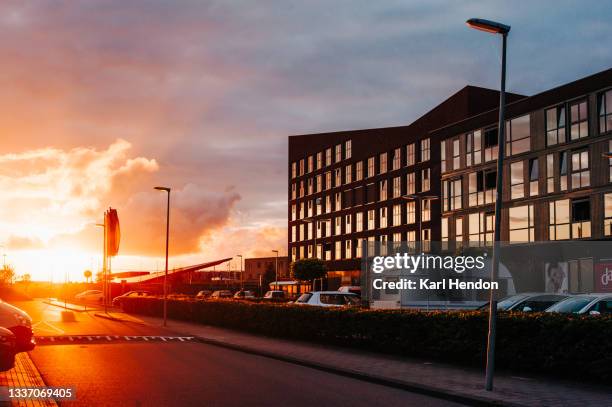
x: 23, y: 320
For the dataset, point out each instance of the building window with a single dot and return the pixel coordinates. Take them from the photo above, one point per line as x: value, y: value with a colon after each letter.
x: 456, y: 154
x: 581, y: 218
x: 293, y: 255
x: 397, y: 215
x: 534, y: 176
x: 338, y: 225
x: 309, y: 208
x: 425, y: 150
x: 370, y: 167
x: 579, y: 124
x: 328, y: 205
x: 359, y: 248
x: 490, y: 144
x: 459, y: 230
x: 383, y: 217
x: 610, y: 162
x: 383, y: 245
x: 301, y: 189
x: 338, y: 177
x: 425, y: 184
x: 383, y: 163
x: 426, y: 240
x: 359, y: 171
x: 410, y: 154
x: 310, y: 186
x: 301, y: 167
x: 348, y: 252
x: 319, y: 183
x: 293, y: 191
x: 371, y: 219
x: 410, y: 183
x: 338, y: 250
x: 426, y: 210
x: 293, y: 170
x: 580, y: 169
x: 555, y: 125
x: 302, y: 236
x: 319, y: 160
x: 397, y: 237
x: 521, y: 223
x: 550, y: 173
x: 338, y: 153
x: 383, y: 190
x: 607, y: 214
x: 348, y: 174
x: 397, y: 159
x: 359, y: 222
x: 481, y: 227
x: 310, y: 164
x: 397, y: 187
x: 518, y: 135
x: 328, y: 157
x: 559, y: 220
x: 474, y: 148
x: 445, y: 231
x: 293, y: 233
x: 604, y: 102
x: 410, y: 212
x: 517, y: 180
x: 443, y: 156
x: 451, y: 194
x: 563, y: 171
x: 319, y: 230
x: 348, y: 224
x: 293, y: 212
x: 338, y: 201
x: 348, y: 149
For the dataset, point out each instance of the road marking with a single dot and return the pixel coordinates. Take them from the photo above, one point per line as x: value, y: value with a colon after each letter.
x: 74, y: 339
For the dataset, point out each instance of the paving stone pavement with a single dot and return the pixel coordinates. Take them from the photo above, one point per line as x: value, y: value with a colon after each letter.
x: 24, y: 374
x: 510, y: 389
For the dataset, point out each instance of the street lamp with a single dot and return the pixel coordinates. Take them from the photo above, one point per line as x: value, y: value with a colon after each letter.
x: 495, y: 28
x: 241, y: 272
x: 104, y: 264
x: 167, y: 242
x: 276, y: 268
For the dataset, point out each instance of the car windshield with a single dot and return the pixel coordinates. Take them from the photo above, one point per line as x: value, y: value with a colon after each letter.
x: 571, y: 305
x: 304, y: 298
x: 508, y: 302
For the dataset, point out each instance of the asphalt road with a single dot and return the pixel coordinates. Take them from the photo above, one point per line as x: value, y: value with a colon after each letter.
x: 195, y: 374
x: 127, y: 373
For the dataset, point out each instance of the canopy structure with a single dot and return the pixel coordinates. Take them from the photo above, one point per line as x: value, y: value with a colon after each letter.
x: 158, y: 277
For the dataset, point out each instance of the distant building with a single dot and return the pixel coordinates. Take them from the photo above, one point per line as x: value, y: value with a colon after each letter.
x: 255, y: 267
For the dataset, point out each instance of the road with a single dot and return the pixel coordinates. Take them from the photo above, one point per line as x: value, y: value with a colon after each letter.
x: 127, y: 373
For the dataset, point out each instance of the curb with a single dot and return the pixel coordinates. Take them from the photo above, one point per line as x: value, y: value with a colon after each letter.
x: 111, y: 318
x: 413, y: 387
x: 67, y: 306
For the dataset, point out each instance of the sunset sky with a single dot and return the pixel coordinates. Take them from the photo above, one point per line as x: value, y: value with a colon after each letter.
x: 103, y: 100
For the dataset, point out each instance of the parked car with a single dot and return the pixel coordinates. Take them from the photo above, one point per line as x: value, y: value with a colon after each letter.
x: 328, y: 299
x: 354, y: 289
x: 90, y: 296
x: 221, y: 294
x: 244, y: 295
x: 528, y: 302
x: 274, y: 295
x: 7, y: 349
x: 131, y: 294
x: 20, y: 324
x: 203, y: 294
x: 585, y: 304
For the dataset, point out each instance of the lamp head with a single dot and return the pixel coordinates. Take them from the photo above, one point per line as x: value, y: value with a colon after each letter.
x: 488, y: 26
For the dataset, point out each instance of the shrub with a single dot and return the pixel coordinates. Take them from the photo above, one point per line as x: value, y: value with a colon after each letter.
x: 554, y: 344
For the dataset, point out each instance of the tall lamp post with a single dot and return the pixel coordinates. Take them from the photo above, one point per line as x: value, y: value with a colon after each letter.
x: 167, y: 242
x: 104, y: 264
x: 241, y: 272
x: 276, y: 268
x: 503, y: 30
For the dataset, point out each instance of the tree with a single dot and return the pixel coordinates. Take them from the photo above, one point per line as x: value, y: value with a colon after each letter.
x: 7, y: 274
x: 308, y: 269
x: 87, y: 275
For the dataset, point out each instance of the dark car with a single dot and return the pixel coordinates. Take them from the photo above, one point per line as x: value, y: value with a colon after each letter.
x: 8, y: 342
x: 528, y: 302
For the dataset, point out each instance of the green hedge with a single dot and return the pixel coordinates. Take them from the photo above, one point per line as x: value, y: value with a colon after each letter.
x: 561, y: 345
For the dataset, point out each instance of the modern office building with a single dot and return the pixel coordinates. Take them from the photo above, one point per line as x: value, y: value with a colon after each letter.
x: 347, y: 187
x: 256, y: 268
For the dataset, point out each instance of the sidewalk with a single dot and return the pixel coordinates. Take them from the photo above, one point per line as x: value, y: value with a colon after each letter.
x: 455, y: 383
x: 24, y: 374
